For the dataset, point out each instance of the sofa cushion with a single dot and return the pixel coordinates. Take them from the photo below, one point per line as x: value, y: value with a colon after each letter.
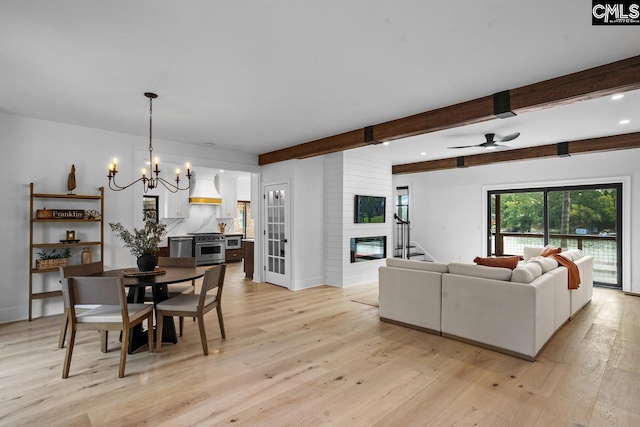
x: 547, y: 264
x: 572, y: 254
x: 510, y: 262
x: 437, y: 267
x: 550, y: 249
x: 529, y: 252
x: 526, y: 273
x: 496, y: 273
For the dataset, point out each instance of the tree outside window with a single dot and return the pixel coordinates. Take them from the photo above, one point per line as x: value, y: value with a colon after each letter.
x: 244, y: 222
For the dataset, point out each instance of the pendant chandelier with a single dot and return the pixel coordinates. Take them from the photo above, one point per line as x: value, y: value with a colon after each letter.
x: 153, y: 180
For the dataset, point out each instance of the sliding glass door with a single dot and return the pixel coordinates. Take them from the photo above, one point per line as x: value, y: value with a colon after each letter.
x: 579, y: 217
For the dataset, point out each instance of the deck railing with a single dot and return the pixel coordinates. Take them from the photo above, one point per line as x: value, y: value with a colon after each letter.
x: 603, y: 249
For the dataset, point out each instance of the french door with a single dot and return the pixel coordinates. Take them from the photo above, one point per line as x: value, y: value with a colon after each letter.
x: 586, y: 217
x: 277, y: 218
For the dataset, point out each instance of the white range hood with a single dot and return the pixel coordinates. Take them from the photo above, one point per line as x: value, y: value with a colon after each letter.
x: 203, y: 189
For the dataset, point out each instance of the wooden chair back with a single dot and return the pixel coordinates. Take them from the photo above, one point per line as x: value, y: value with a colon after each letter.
x: 95, y: 290
x: 213, y: 278
x: 81, y: 269
x: 164, y: 261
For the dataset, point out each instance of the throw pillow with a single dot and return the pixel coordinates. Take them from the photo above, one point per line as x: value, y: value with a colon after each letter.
x: 510, y: 262
x: 548, y: 250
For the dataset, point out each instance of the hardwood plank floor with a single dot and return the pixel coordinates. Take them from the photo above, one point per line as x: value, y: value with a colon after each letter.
x: 315, y: 357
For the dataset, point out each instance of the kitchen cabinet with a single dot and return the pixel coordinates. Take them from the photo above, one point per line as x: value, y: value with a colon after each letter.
x: 47, y: 233
x: 228, y: 193
x: 176, y: 204
x: 248, y: 258
x: 233, y: 255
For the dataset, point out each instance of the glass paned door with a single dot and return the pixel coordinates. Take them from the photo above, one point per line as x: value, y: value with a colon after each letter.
x: 517, y: 220
x: 277, y: 231
x: 587, y: 219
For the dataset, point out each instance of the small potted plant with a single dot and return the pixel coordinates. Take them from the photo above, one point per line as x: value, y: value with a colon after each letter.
x: 142, y: 243
x: 50, y: 259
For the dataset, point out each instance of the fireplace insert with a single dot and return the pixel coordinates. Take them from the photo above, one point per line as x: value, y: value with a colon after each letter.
x: 368, y: 248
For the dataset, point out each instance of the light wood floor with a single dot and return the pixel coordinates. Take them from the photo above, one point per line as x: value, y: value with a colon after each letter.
x: 316, y: 357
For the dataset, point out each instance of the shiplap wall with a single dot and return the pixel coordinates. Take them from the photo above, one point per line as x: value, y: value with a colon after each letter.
x: 346, y: 175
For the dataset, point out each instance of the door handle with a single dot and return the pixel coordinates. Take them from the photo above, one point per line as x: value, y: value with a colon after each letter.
x: 283, y: 240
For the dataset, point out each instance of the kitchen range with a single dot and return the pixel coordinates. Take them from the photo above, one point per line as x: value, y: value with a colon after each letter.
x: 207, y: 248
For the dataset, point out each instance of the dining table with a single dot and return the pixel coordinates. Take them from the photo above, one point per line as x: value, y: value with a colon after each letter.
x: 158, y: 280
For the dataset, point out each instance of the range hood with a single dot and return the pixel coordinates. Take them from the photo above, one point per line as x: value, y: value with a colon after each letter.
x: 203, y: 189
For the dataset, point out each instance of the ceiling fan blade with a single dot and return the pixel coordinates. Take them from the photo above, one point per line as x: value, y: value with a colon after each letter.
x: 501, y: 147
x: 509, y: 137
x: 467, y: 146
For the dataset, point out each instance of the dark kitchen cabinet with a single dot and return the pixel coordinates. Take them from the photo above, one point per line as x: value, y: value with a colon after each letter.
x: 233, y: 255
x: 248, y: 258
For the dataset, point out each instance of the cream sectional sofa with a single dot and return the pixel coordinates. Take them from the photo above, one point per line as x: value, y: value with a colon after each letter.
x: 511, y: 311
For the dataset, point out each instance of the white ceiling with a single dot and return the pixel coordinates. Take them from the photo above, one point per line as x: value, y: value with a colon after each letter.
x: 257, y: 76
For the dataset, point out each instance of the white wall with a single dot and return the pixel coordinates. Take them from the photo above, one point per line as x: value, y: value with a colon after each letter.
x: 346, y: 175
x: 447, y: 207
x: 306, y: 243
x: 42, y: 152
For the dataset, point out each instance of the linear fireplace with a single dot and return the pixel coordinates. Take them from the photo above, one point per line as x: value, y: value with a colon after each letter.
x: 368, y: 248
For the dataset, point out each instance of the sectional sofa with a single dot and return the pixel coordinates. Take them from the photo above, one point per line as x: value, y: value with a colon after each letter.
x: 511, y: 311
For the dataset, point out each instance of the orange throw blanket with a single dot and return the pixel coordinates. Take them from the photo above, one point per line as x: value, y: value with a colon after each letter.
x: 574, y: 274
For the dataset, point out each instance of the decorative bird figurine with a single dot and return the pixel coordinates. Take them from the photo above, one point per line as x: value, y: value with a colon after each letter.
x: 71, y: 179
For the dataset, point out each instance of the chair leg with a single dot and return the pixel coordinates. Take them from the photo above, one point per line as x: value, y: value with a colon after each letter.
x: 219, y: 310
x: 150, y: 332
x: 69, y: 353
x: 181, y: 324
x: 104, y: 337
x: 123, y: 352
x: 63, y: 328
x: 203, y: 334
x: 159, y: 323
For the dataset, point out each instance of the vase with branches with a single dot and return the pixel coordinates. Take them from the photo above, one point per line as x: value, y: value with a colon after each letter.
x: 142, y: 243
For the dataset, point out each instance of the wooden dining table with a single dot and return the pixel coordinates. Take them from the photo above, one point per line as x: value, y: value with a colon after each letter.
x: 137, y: 284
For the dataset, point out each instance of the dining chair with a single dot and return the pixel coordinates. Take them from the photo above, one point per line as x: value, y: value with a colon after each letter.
x: 176, y: 289
x: 192, y: 305
x: 112, y: 312
x: 79, y: 270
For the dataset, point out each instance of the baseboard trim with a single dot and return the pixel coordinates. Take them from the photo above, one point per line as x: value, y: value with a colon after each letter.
x: 407, y: 325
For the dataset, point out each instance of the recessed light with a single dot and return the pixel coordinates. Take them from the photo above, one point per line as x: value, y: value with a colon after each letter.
x: 625, y: 122
x: 617, y: 96
x: 424, y: 153
x: 221, y: 170
x: 385, y: 143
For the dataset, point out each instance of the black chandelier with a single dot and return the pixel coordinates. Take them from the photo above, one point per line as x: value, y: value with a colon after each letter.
x: 153, y: 180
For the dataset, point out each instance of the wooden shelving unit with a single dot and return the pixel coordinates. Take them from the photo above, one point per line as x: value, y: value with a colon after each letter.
x: 99, y: 198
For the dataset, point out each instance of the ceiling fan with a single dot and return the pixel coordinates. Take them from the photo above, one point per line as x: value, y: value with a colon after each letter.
x: 491, y: 143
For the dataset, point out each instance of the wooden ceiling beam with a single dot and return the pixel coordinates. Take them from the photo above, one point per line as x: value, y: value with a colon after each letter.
x: 331, y: 144
x: 616, y: 77
x: 466, y: 113
x: 591, y: 145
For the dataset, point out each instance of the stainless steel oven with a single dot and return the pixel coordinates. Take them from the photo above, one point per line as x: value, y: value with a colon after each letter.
x: 233, y: 241
x: 209, y: 248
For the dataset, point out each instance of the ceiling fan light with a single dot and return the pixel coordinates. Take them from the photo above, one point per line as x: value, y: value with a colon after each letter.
x: 490, y: 147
